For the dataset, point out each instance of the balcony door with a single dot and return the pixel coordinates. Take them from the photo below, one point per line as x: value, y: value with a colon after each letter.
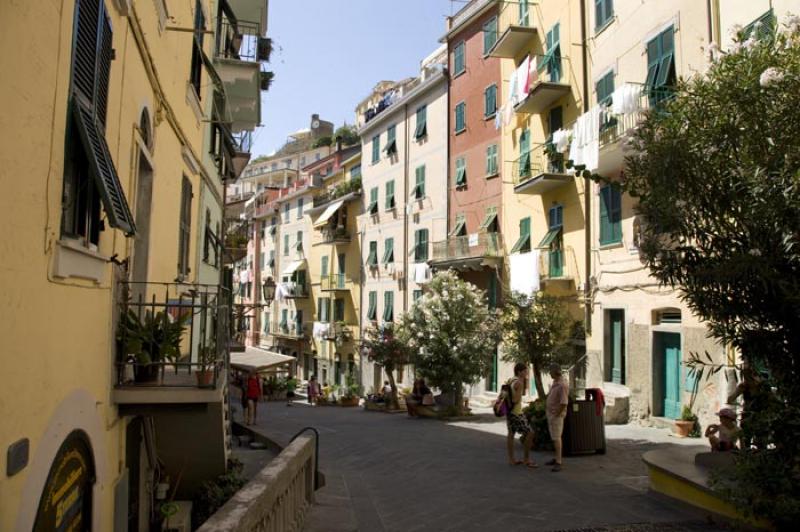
x: 141, y: 242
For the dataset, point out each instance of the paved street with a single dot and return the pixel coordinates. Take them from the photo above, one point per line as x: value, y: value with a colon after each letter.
x: 390, y: 472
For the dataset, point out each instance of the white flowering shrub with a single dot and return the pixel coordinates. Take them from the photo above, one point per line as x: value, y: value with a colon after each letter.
x: 451, y: 333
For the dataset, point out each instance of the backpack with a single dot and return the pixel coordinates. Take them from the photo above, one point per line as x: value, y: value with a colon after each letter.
x: 504, y: 403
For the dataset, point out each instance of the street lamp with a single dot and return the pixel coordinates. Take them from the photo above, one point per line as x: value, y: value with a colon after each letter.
x: 268, y: 289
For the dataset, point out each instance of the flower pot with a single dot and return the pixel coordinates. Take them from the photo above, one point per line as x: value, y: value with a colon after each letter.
x: 348, y: 401
x: 683, y: 428
x: 204, y: 377
x: 144, y: 373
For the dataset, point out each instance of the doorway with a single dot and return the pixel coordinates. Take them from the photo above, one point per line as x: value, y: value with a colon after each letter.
x: 666, y: 374
x: 141, y: 242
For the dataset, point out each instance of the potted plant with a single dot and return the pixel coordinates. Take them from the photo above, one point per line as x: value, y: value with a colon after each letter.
x: 205, y: 372
x: 351, y: 394
x: 685, y: 425
x: 150, y: 341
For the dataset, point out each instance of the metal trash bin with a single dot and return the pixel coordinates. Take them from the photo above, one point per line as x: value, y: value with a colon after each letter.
x: 584, y: 429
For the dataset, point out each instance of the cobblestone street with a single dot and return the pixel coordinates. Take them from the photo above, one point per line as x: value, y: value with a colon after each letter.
x: 389, y: 472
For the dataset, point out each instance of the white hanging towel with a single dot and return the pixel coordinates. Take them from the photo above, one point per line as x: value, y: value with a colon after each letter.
x: 523, y: 79
x: 512, y: 88
x: 585, y: 147
x: 626, y: 99
x: 561, y: 140
x: 525, y: 272
x: 421, y: 273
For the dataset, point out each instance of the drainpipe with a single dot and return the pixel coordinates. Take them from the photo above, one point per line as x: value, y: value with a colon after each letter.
x: 587, y: 186
x: 406, y: 205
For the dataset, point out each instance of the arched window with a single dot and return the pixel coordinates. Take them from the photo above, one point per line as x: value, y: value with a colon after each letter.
x: 145, y: 129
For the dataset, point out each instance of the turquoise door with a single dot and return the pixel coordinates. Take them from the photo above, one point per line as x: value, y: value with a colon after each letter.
x: 491, y: 383
x: 616, y: 318
x: 672, y: 371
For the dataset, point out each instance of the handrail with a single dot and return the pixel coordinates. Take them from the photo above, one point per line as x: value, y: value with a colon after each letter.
x: 317, y: 484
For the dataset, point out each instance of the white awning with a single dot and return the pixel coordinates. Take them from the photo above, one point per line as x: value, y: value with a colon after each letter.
x: 327, y: 213
x: 294, y: 266
x: 257, y: 359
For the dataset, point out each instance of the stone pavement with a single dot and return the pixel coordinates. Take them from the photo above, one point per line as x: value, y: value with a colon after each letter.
x: 387, y: 472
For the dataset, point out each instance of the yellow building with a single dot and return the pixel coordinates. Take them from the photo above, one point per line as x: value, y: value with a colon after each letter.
x: 109, y: 128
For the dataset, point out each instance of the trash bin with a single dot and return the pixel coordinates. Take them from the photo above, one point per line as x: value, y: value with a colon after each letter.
x: 584, y: 428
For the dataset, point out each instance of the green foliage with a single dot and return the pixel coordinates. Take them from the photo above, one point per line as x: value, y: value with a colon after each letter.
x: 351, y: 388
x: 536, y: 331
x: 386, y: 350
x: 715, y: 174
x: 348, y: 135
x: 214, y: 494
x: 452, y: 333
x: 322, y: 142
x: 537, y: 418
x: 153, y: 340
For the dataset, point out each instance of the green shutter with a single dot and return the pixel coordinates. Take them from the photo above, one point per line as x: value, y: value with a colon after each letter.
x: 523, y: 244
x: 491, y: 160
x: 416, y: 295
x: 372, y: 258
x: 388, y: 306
x: 338, y: 309
x: 422, y: 127
x: 610, y: 215
x: 489, y: 35
x: 372, y: 312
x: 419, y: 187
x: 390, y: 204
x: 421, y: 245
x: 372, y: 208
x: 391, y: 140
x: 461, y: 172
x: 524, y: 153
x: 603, y: 12
x: 324, y: 266
x: 461, y: 110
x: 284, y: 318
x: 490, y: 101
x: 762, y: 28
x: 376, y: 149
x: 459, y: 63
x: 523, y: 13
x: 388, y: 254
x: 285, y: 245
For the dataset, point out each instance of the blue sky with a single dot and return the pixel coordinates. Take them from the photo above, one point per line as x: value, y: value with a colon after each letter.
x: 328, y: 54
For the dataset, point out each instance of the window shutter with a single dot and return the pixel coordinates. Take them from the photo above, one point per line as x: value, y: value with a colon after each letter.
x: 376, y: 148
x: 324, y: 266
x: 421, y: 129
x: 372, y: 312
x: 103, y: 70
x: 390, y: 194
x: 420, y: 182
x: 84, y: 55
x: 421, y: 245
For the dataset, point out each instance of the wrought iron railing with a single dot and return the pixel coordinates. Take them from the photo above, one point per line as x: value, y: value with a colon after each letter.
x: 536, y: 162
x: 337, y: 191
x: 558, y: 264
x: 290, y: 329
x: 243, y: 141
x: 334, y: 281
x: 241, y: 40
x: 335, y: 234
x: 172, y: 335
x: 469, y: 246
x: 294, y: 290
x: 615, y: 126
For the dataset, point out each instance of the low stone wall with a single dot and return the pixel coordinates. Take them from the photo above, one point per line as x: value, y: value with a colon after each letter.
x: 277, y: 499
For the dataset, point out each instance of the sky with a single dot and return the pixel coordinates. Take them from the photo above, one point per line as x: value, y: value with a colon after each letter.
x: 329, y: 54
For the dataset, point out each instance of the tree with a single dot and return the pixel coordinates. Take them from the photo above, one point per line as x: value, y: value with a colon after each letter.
x: 535, y: 331
x: 384, y: 349
x: 452, y: 333
x: 715, y: 174
x: 322, y: 142
x: 348, y: 135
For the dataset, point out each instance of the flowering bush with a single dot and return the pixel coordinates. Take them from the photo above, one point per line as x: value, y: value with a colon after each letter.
x: 451, y: 333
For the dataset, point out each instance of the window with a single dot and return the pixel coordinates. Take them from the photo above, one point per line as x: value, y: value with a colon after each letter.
x: 390, y: 203
x: 555, y: 121
x: 610, y: 215
x: 556, y: 216
x: 461, y: 172
x: 489, y: 35
x: 338, y: 309
x: 416, y: 295
x: 660, y: 66
x: 459, y: 61
x: 491, y: 160
x: 762, y: 28
x: 388, y: 306
x: 185, y: 228
x: 460, y: 227
x: 355, y: 172
x: 324, y: 266
x: 299, y: 244
x: 323, y: 308
x: 209, y: 236
x: 604, y: 89
x: 615, y: 346
x: 286, y: 208
x: 489, y: 223
x: 523, y: 13
x: 391, y: 140
x: 422, y: 127
x: 551, y: 62
x: 420, y: 245
x: 263, y: 262
x: 603, y: 13
x: 524, y: 169
x: 372, y: 208
x: 300, y: 209
x: 461, y: 113
x: 197, y: 48
x: 490, y: 101
x: 372, y: 258
x: 523, y: 244
x: 388, y: 254
x: 419, y: 184
x: 272, y: 258
x: 376, y: 149
x: 372, y: 311
x: 90, y: 178
x: 285, y: 245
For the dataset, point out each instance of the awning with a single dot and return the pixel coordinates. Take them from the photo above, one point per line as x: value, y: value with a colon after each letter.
x: 294, y: 266
x: 329, y: 211
x: 549, y: 237
x: 257, y: 359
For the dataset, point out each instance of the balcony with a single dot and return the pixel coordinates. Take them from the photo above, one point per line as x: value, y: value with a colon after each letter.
x: 335, y: 235
x: 335, y: 282
x: 339, y: 332
x: 236, y: 242
x: 516, y: 30
x: 294, y: 290
x: 240, y: 49
x: 539, y: 172
x: 289, y: 330
x: 171, y: 343
x: 559, y: 265
x: 551, y: 83
x: 468, y: 252
x: 345, y: 190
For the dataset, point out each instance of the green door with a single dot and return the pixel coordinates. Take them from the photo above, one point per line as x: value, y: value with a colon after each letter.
x: 671, y: 344
x: 617, y: 340
x: 491, y: 382
x: 340, y: 278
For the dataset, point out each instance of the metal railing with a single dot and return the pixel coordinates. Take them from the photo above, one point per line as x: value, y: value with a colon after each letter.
x: 469, y: 246
x: 290, y: 329
x: 337, y: 191
x: 338, y: 329
x: 243, y: 141
x: 334, y: 281
x: 614, y: 126
x: 335, y: 234
x: 515, y: 13
x: 537, y: 162
x: 467, y: 11
x: 558, y: 264
x: 294, y: 290
x: 550, y: 68
x: 241, y: 40
x: 172, y: 335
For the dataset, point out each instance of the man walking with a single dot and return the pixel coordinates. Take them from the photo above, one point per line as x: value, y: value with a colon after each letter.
x: 516, y: 421
x: 556, y: 408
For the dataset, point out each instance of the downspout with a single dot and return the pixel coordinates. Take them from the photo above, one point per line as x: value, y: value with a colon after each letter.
x: 406, y: 206
x: 587, y: 186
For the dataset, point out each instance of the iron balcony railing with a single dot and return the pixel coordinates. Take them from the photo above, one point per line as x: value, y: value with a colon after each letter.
x: 335, y: 234
x: 243, y: 141
x: 615, y: 126
x: 172, y: 335
x: 340, y: 330
x: 289, y: 329
x: 536, y: 162
x: 335, y: 281
x: 241, y: 40
x: 469, y: 246
x: 467, y: 11
x: 337, y: 191
x: 558, y: 264
x: 294, y: 290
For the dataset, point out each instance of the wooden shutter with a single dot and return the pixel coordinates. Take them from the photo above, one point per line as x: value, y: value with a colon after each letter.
x: 104, y: 58
x: 84, y: 55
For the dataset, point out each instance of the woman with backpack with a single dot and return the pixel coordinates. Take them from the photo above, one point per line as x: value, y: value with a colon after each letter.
x: 516, y: 421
